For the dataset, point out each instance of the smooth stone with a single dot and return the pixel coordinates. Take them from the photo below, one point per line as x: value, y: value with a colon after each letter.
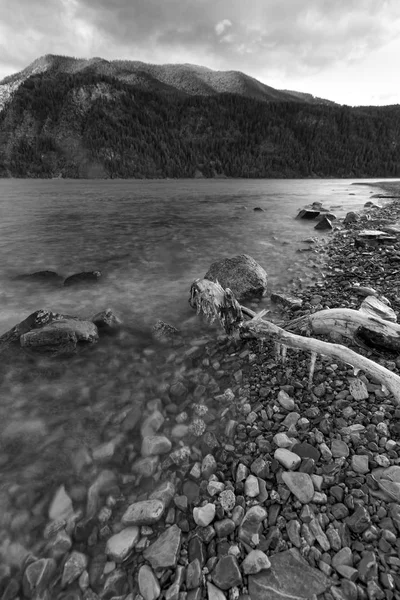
x: 359, y: 521
x: 146, y: 512
x: 286, y: 401
x: 300, y: 484
x: 250, y: 526
x: 121, y: 544
x: 251, y: 486
x: 148, y: 583
x: 226, y: 573
x: 282, y: 440
x: 164, y: 492
x: 208, y: 466
x: 73, y: 568
x: 37, y: 576
x: 204, y: 515
x: 291, y: 419
x: 154, y: 445
x: 390, y: 488
x: 193, y: 574
x: 255, y: 562
x: 343, y: 557
x: 306, y: 450
x: 287, y: 459
x: 214, y: 593
x: 360, y: 463
x: 146, y: 466
x: 289, y: 578
x: 61, y: 506
x: 339, y: 449
x: 163, y: 553
x: 152, y: 423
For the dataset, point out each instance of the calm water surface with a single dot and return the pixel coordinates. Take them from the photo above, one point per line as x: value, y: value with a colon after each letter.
x: 150, y: 239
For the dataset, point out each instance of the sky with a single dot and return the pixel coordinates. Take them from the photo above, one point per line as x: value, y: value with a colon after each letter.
x: 343, y: 50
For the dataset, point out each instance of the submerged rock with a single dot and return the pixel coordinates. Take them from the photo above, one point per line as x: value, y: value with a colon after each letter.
x: 146, y: 512
x: 63, y: 337
x: 308, y: 214
x: 241, y: 274
x: 41, y: 277
x: 106, y: 321
x: 82, y: 278
x: 163, y: 553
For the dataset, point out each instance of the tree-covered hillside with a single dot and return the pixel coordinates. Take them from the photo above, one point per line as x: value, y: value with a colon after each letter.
x: 89, y: 125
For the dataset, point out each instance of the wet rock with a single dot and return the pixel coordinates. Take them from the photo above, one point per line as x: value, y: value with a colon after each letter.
x: 120, y: 545
x: 153, y: 445
x: 325, y: 224
x: 61, y: 506
x: 241, y: 274
x: 164, y: 492
x: 287, y: 459
x: 152, y: 424
x: 148, y: 583
x: 226, y: 573
x: 37, y: 576
x: 41, y: 277
x: 74, y: 567
x: 290, y: 577
x: 204, y: 515
x: 83, y: 278
x: 146, y: 512
x: 163, y: 553
x: 300, y: 484
x: 286, y: 300
x: 164, y: 332
x: 106, y: 321
x: 255, y: 562
x: 146, y: 466
x: 304, y: 213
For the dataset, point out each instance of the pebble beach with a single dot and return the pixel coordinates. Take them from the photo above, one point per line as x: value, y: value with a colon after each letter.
x: 236, y: 479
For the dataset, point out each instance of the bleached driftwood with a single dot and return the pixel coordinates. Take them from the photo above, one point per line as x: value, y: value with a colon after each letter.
x: 210, y: 298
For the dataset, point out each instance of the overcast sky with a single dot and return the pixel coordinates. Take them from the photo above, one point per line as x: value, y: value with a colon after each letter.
x: 344, y: 50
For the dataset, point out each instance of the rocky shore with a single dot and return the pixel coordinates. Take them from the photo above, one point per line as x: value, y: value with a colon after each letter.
x: 237, y: 481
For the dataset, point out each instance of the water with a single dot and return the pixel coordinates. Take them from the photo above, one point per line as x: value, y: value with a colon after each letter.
x: 150, y: 239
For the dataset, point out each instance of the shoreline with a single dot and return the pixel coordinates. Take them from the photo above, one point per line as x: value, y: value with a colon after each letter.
x: 241, y: 472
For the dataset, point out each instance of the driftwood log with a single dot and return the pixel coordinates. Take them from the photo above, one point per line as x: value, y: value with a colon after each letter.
x: 216, y: 303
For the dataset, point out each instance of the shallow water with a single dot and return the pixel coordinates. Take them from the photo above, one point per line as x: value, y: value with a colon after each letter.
x: 150, y: 239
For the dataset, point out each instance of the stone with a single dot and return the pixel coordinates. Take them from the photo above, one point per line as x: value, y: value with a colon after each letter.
x: 359, y: 463
x: 226, y: 573
x: 343, y: 557
x: 37, y: 576
x: 204, y: 515
x: 339, y: 449
x: 227, y: 500
x: 251, y: 524
x: 164, y: 332
x: 306, y: 450
x: 73, y: 568
x: 155, y: 444
x: 163, y: 553
x: 152, y: 423
x: 390, y: 488
x: 146, y: 512
x: 300, y: 484
x: 305, y: 213
x: 63, y: 336
x: 282, y: 440
x: 286, y: 401
x: 293, y: 530
x: 61, y: 506
x: 260, y: 467
x: 164, y: 492
x: 41, y: 277
x: 255, y: 562
x: 241, y: 274
x: 287, y: 459
x: 224, y: 527
x: 324, y: 224
x: 214, y: 593
x: 357, y: 387
x: 146, y: 466
x: 208, y: 466
x: 106, y: 321
x: 359, y: 521
x: 291, y: 419
x: 148, y: 583
x: 251, y: 486
x: 289, y: 578
x: 193, y: 574
x: 120, y: 545
x: 215, y: 487
x: 82, y: 278
x: 286, y: 300
x: 367, y: 567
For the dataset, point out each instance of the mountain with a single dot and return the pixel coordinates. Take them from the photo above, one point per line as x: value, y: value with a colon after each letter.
x: 184, y: 79
x: 71, y: 118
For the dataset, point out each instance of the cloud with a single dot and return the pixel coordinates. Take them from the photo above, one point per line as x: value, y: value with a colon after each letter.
x: 269, y: 39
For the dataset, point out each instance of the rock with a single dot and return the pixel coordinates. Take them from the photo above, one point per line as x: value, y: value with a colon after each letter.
x: 258, y: 209
x: 359, y: 463
x: 308, y: 214
x: 149, y: 587
x: 73, y: 568
x: 164, y: 492
x: 391, y: 489
x: 287, y: 459
x: 251, y: 486
x: 324, y: 224
x: 204, y: 515
x: 152, y: 424
x: 374, y: 307
x: 358, y: 389
x: 208, y: 466
x: 255, y: 562
x: 241, y: 274
x: 146, y: 512
x: 359, y: 521
x: 106, y: 321
x: 339, y: 449
x: 226, y: 573
x: 250, y: 526
x: 286, y: 300
x: 146, y: 466
x: 154, y: 445
x: 306, y: 450
x: 286, y: 401
x: 300, y: 484
x: 63, y: 336
x: 282, y: 440
x: 367, y: 567
x: 289, y: 578
x: 41, y: 277
x: 227, y: 500
x: 193, y: 574
x: 163, y: 332
x: 83, y: 278
x: 61, y: 506
x: 351, y: 217
x: 214, y: 593
x: 343, y: 557
x: 293, y: 530
x: 163, y: 553
x: 37, y: 576
x: 121, y: 544
x: 224, y: 527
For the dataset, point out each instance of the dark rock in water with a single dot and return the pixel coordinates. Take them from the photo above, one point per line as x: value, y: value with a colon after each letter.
x: 327, y: 215
x: 163, y: 332
x: 37, y: 576
x: 370, y: 204
x: 258, y: 209
x: 107, y: 321
x: 289, y: 578
x: 64, y: 337
x: 351, y: 217
x: 286, y: 300
x: 82, y: 278
x: 35, y: 320
x: 242, y: 274
x: 41, y: 276
x: 324, y: 225
x: 308, y: 214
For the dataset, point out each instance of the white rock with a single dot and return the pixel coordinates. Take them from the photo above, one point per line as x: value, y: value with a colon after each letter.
x: 61, y: 506
x: 255, y: 562
x: 153, y: 445
x: 121, y: 544
x: 148, y: 583
x: 288, y: 459
x: 204, y: 515
x: 251, y: 486
x: 286, y: 401
x: 282, y: 440
x: 214, y: 593
x: 146, y: 512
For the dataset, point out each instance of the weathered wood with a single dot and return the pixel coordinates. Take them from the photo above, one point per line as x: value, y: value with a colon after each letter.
x: 214, y: 302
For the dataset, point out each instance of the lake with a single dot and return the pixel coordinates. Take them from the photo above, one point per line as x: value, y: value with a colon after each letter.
x: 149, y: 239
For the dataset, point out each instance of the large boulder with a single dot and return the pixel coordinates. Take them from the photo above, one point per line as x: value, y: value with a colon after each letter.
x: 241, y: 274
x: 45, y: 332
x: 83, y: 278
x: 305, y: 213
